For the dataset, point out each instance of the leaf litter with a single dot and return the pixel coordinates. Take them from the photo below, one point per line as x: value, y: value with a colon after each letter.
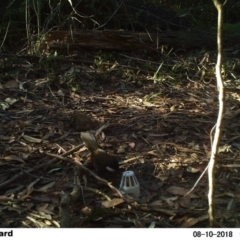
x: 162, y: 127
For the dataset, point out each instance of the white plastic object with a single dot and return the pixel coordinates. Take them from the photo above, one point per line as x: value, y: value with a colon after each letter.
x: 129, y: 184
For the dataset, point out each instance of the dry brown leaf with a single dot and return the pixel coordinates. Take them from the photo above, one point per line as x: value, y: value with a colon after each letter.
x: 192, y: 221
x: 192, y: 169
x: 17, y: 207
x: 29, y: 189
x: 47, y: 222
x: 206, y: 149
x: 121, y: 149
x: 60, y: 93
x: 185, y: 202
x: 231, y: 204
x: 112, y: 203
x: 5, y: 198
x: 231, y: 165
x: 180, y: 191
x: 172, y: 108
x: 100, y: 130
x: 24, y: 194
x: 134, y: 136
x: 32, y: 139
x: 10, y: 101
x: 30, y: 186
x: 169, y: 200
x: 44, y: 208
x: 156, y: 203
x: 4, y: 105
x: 153, y: 152
x: 11, y: 84
x: 13, y: 158
x: 46, y: 198
x: 148, y: 104
x: 224, y: 149
x: 42, y: 215
x: 46, y: 187
x: 132, y: 144
x: 86, y: 210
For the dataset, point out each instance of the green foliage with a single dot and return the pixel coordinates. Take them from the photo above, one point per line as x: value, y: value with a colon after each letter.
x: 151, y: 96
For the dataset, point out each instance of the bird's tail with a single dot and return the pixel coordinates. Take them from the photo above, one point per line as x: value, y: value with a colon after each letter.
x: 90, y: 141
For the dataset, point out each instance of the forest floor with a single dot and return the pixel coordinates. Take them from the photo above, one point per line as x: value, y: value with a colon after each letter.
x: 158, y: 111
